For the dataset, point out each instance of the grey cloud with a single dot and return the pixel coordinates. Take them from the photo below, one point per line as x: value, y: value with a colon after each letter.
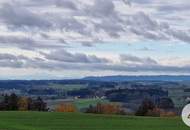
x: 21, y: 42
x: 142, y: 25
x: 134, y: 59
x: 91, y: 43
x: 15, y: 39
x: 181, y: 35
x: 127, y: 2
x: 64, y: 56
x: 174, y: 7
x: 7, y: 57
x: 149, y: 35
x: 100, y: 18
x: 143, y: 21
x: 20, y: 61
x: 10, y: 64
x: 109, y: 20
x: 25, y: 43
x: 69, y: 4
x: 87, y: 44
x: 17, y: 16
x: 87, y: 21
x: 101, y: 8
x: 110, y: 26
x: 66, y: 4
x: 110, y: 67
x: 141, y: 1
x: 12, y: 61
x: 71, y: 24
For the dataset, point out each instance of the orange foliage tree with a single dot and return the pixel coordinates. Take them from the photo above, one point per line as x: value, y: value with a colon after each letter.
x: 66, y: 107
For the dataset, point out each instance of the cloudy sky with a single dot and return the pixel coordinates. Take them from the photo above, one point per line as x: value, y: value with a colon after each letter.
x: 54, y: 39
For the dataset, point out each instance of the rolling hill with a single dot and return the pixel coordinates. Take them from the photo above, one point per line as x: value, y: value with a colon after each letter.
x: 139, y: 78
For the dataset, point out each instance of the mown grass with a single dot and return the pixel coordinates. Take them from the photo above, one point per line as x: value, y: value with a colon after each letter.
x: 77, y: 121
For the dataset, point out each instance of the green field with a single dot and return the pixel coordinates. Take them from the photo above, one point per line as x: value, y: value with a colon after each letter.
x: 66, y: 121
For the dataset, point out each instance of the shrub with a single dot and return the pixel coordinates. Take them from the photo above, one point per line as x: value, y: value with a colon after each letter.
x: 105, y: 109
x: 66, y: 107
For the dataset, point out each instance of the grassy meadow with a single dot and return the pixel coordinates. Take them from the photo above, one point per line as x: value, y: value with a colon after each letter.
x: 77, y: 121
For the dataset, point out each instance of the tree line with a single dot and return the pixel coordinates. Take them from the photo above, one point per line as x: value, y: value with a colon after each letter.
x: 106, y: 108
x: 13, y: 102
x: 164, y: 109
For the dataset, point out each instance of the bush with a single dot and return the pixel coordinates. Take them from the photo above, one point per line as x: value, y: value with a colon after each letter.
x: 145, y: 108
x: 66, y: 107
x: 167, y: 114
x: 105, y: 109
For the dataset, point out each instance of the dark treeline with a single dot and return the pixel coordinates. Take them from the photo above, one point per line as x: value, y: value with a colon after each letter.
x: 14, y: 103
x: 164, y: 108
x: 24, y: 84
x: 106, y: 108
x: 148, y: 108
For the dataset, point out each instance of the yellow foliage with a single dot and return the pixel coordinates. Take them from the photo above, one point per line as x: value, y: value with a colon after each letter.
x: 23, y: 104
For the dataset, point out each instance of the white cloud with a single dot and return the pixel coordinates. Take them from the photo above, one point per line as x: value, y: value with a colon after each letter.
x: 53, y: 26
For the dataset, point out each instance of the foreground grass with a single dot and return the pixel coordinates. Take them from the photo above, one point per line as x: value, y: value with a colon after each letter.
x: 66, y: 121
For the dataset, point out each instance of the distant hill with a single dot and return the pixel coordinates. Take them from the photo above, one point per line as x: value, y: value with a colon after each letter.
x: 139, y: 78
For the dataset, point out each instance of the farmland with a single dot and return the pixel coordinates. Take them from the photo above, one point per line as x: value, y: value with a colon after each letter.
x: 77, y: 121
x: 84, y: 103
x: 79, y: 103
x: 69, y: 87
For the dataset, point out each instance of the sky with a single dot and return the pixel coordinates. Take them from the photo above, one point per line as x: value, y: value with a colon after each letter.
x: 60, y: 39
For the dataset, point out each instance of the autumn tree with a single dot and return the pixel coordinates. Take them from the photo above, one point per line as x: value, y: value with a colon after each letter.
x: 107, y: 108
x: 145, y: 108
x: 66, y: 107
x: 23, y: 104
